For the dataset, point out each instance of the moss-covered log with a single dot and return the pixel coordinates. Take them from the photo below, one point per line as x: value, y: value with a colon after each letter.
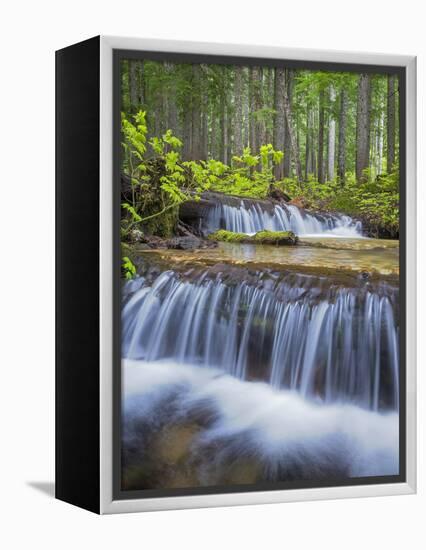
x: 282, y: 238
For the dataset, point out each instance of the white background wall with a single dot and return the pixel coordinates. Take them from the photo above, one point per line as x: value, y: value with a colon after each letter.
x: 30, y: 32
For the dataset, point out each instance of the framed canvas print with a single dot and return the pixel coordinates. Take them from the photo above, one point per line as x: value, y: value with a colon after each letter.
x: 235, y: 274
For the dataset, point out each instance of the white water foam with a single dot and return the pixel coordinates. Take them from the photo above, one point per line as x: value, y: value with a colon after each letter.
x: 253, y: 218
x: 278, y: 426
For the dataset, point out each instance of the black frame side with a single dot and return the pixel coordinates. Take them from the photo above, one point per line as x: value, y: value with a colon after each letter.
x: 77, y: 466
x: 400, y: 72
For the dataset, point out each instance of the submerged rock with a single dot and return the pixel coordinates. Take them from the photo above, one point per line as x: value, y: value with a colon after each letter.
x: 261, y: 237
x: 189, y: 243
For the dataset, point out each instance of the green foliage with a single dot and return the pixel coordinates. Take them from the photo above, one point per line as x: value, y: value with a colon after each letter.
x: 132, y: 211
x: 168, y: 139
x: 128, y: 268
x: 244, y: 179
x: 158, y: 185
x: 376, y: 202
x: 135, y: 142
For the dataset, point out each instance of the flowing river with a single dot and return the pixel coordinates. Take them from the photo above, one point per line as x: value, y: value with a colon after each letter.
x: 249, y: 363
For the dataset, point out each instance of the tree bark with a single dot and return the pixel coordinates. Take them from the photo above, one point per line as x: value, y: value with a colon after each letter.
x: 213, y: 134
x: 141, y: 84
x: 380, y: 144
x: 258, y: 133
x: 313, y: 141
x: 252, y: 124
x: 341, y: 161
x: 196, y: 113
x: 261, y: 105
x: 321, y: 166
x: 287, y: 140
x: 292, y: 137
x: 246, y: 109
x: 187, y: 128
x: 230, y: 133
x: 331, y: 138
x: 204, y: 113
x: 238, y: 108
x: 268, y: 101
x: 172, y: 116
x: 363, y: 126
x: 133, y: 85
x: 136, y: 85
x: 308, y: 166
x: 391, y: 115
x: 223, y: 118
x: 280, y: 118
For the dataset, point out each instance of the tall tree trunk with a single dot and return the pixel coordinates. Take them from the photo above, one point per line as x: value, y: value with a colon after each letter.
x: 172, y: 116
x: 308, y: 165
x: 321, y: 166
x: 343, y: 115
x: 136, y: 85
x: 280, y: 118
x: 158, y: 114
x: 133, y: 85
x: 391, y: 115
x: 246, y: 110
x: 204, y: 113
x: 230, y: 136
x: 287, y: 141
x: 224, y: 118
x: 252, y: 122
x: 187, y: 128
x: 313, y: 163
x: 238, y: 110
x: 269, y: 102
x: 331, y: 138
x: 213, y: 134
x: 380, y: 144
x: 363, y: 126
x: 292, y: 138
x: 141, y: 84
x: 261, y: 105
x: 196, y: 112
x: 205, y: 135
x: 257, y: 134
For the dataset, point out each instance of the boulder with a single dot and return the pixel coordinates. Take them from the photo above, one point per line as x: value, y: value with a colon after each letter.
x: 184, y: 243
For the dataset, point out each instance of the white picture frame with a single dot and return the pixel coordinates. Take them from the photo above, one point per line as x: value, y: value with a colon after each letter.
x: 107, y: 503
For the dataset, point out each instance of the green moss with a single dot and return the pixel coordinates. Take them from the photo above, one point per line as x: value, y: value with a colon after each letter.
x: 227, y: 236
x: 164, y: 225
x: 275, y: 237
x: 261, y: 237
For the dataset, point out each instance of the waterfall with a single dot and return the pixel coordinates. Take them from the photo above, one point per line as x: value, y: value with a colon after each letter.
x: 250, y: 217
x: 321, y: 340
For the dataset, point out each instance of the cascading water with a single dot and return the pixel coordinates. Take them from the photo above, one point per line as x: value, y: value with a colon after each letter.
x: 252, y: 217
x: 237, y: 374
x: 296, y: 332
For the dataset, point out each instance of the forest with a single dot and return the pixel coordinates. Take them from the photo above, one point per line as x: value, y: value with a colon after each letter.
x: 327, y: 140
x: 260, y: 275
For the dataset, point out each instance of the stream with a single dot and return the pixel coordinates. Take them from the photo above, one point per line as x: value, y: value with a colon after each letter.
x: 249, y: 363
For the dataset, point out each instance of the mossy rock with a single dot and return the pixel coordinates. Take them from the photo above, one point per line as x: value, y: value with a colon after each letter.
x: 286, y: 238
